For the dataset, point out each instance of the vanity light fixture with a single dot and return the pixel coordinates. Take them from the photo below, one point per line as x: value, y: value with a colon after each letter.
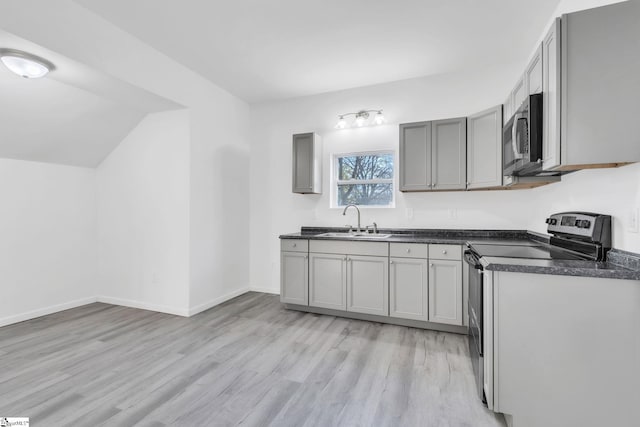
x: 361, y: 118
x: 25, y: 64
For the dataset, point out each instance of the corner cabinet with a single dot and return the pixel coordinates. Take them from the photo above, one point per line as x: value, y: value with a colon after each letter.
x: 484, y: 149
x: 433, y: 155
x: 307, y: 164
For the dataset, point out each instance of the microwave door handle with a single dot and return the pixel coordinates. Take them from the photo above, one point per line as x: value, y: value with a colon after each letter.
x: 514, y: 137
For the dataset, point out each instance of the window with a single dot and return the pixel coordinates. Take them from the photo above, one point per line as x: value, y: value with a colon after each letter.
x: 364, y: 179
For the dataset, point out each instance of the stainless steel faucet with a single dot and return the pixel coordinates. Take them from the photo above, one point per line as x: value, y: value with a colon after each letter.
x: 344, y: 212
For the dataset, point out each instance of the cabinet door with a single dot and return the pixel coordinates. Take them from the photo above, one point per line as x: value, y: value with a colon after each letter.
x: 306, y: 164
x: 415, y: 152
x: 294, y: 278
x: 368, y: 284
x: 533, y: 73
x: 327, y: 281
x: 449, y: 154
x: 551, y: 98
x: 445, y: 292
x: 408, y: 288
x: 507, y: 109
x: 518, y: 94
x: 484, y: 149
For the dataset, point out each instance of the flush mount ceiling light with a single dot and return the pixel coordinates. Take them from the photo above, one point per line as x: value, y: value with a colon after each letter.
x: 25, y: 64
x: 361, y: 118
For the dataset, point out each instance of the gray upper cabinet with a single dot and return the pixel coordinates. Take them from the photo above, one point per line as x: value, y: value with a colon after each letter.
x: 433, y: 155
x: 449, y: 154
x: 533, y: 73
x: 591, y: 67
x: 415, y: 156
x: 519, y: 94
x: 307, y: 164
x: 551, y: 98
x: 484, y: 149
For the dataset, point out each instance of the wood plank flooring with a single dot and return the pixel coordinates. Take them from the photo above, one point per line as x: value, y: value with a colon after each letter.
x: 246, y: 362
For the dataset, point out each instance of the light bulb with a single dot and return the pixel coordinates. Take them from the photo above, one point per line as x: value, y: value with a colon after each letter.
x: 342, y: 123
x: 360, y: 121
x: 25, y: 67
x: 379, y: 119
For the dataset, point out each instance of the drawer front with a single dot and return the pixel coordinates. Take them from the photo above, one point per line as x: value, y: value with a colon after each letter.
x: 294, y: 245
x: 408, y: 250
x: 452, y: 252
x: 352, y: 248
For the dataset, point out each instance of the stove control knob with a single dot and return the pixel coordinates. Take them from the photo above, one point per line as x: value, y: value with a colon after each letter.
x: 548, y: 221
x: 551, y: 221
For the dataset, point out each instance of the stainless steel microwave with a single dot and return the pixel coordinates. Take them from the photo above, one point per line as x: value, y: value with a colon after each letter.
x: 522, y: 139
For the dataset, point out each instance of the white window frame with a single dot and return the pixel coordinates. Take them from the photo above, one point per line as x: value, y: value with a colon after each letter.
x: 335, y: 182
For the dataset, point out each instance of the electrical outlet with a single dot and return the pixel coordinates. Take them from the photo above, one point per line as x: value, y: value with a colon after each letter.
x: 409, y: 213
x: 633, y: 220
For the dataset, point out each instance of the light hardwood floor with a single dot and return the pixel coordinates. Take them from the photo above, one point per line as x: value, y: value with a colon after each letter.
x: 245, y: 362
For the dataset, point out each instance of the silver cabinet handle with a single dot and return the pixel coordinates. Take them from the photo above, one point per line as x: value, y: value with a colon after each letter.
x: 431, y: 265
x: 444, y: 252
x: 390, y: 262
x: 295, y: 244
x: 408, y: 250
x: 306, y: 257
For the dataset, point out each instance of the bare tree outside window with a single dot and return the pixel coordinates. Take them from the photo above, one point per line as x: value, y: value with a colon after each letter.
x: 365, y: 179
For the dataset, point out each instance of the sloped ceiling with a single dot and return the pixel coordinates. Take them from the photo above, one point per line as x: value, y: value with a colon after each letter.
x: 264, y: 50
x: 74, y: 116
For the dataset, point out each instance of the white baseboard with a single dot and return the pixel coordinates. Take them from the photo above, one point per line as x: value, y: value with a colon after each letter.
x: 207, y: 305
x: 131, y: 303
x: 144, y: 306
x: 265, y: 290
x: 9, y: 320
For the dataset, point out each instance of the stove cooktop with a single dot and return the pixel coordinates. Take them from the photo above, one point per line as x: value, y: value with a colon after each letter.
x: 532, y: 251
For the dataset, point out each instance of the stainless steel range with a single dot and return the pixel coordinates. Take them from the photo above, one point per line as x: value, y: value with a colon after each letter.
x: 575, y: 236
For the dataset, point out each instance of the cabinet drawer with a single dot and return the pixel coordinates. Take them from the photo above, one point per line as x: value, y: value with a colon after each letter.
x: 408, y: 250
x: 294, y: 245
x: 352, y: 248
x: 452, y: 252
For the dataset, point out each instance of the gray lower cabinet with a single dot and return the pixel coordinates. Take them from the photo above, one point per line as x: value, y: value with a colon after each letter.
x: 294, y: 278
x: 307, y: 164
x: 484, y: 149
x: 328, y: 281
x: 368, y: 284
x: 409, y: 288
x: 433, y: 155
x: 445, y: 291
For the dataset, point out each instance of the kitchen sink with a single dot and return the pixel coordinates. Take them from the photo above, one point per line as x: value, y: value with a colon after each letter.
x: 358, y: 235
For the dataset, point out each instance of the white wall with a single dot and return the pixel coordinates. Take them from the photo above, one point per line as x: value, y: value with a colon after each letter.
x: 219, y: 238
x: 48, y: 229
x: 143, y: 216
x: 275, y: 210
x: 219, y: 245
x: 614, y: 192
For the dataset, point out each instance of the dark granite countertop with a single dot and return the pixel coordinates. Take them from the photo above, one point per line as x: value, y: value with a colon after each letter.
x: 403, y: 235
x: 619, y: 265
x: 560, y: 267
